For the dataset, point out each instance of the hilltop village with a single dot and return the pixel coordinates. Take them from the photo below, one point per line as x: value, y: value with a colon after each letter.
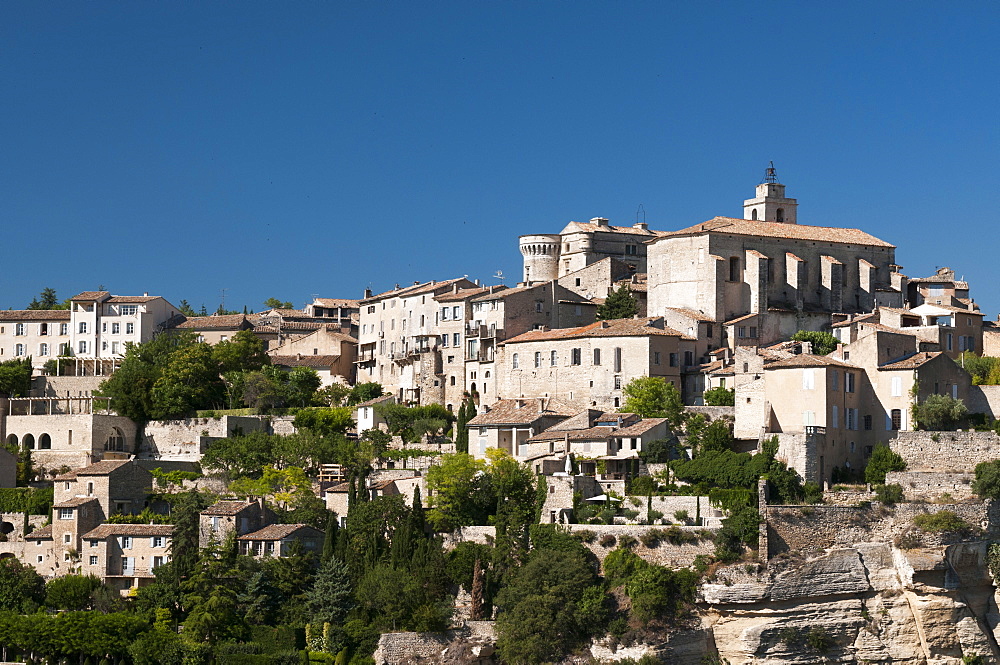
x: 747, y: 440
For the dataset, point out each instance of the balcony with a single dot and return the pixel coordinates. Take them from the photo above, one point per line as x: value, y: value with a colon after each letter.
x: 366, y: 357
x: 483, y: 331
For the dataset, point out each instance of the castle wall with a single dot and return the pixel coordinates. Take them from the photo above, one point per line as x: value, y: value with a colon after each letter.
x: 946, y: 451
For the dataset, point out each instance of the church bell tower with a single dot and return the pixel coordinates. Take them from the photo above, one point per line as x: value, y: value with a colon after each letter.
x: 770, y: 204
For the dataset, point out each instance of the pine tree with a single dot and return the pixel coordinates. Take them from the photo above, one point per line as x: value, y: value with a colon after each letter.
x: 461, y: 431
x: 620, y: 304
x: 330, y: 598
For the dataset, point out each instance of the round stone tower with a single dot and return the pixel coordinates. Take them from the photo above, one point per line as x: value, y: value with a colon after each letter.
x: 541, y: 257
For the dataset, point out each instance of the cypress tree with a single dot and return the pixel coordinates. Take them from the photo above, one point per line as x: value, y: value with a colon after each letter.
x: 330, y: 541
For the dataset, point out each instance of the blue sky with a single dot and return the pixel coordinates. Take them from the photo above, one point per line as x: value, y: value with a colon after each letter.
x: 299, y: 149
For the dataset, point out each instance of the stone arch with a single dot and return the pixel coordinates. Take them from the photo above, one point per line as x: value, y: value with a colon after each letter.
x: 116, y: 441
x: 45, y: 442
x: 6, y: 527
x: 12, y: 441
x: 28, y: 441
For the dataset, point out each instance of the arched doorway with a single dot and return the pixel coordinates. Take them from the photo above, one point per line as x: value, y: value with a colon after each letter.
x: 116, y: 441
x: 28, y: 441
x: 45, y: 442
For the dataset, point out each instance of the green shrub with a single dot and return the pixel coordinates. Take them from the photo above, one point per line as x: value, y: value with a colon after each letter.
x: 607, y: 540
x: 942, y: 521
x: 627, y: 541
x: 882, y: 461
x: 682, y: 516
x: 889, y: 494
x: 654, y: 515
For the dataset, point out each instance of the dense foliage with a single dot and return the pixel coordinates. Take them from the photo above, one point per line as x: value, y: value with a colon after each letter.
x: 939, y: 412
x: 620, y: 304
x: 823, y: 343
x: 882, y: 461
x: 654, y: 397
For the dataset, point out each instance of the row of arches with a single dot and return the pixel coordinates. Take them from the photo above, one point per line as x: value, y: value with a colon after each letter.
x: 28, y: 441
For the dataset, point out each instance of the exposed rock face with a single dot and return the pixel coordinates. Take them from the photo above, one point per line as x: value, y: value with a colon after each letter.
x: 868, y: 603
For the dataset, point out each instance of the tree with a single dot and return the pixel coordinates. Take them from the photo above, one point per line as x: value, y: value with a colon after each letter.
x: 455, y: 485
x: 302, y: 385
x: 240, y: 455
x: 720, y: 397
x: 325, y: 421
x: 15, y: 377
x: 882, y: 461
x: 330, y: 598
x: 243, y: 353
x: 274, y: 303
x: 46, y: 300
x: 21, y: 588
x: 987, y: 482
x: 362, y: 392
x: 186, y: 309
x: 823, y: 343
x: 190, y: 381
x: 70, y: 592
x: 620, y: 304
x: 939, y: 412
x: 654, y: 397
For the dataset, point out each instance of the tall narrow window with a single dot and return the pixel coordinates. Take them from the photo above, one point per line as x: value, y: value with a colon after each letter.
x: 597, y: 356
x: 538, y: 358
x: 780, y: 214
x: 553, y: 358
x: 513, y: 361
x: 753, y: 214
x: 896, y: 419
x: 734, y: 269
x: 618, y: 359
x: 575, y: 356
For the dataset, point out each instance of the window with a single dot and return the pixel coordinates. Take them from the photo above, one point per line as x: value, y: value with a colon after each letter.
x: 553, y: 358
x: 575, y: 357
x: 93, y: 561
x: 129, y: 328
x: 833, y: 418
x: 689, y: 358
x: 538, y: 358
x: 538, y: 305
x: 618, y: 359
x: 43, y: 329
x: 597, y: 356
x: 851, y: 418
x: 83, y: 326
x: 19, y: 349
x: 753, y: 332
x: 126, y: 542
x: 451, y: 359
x: 849, y: 382
x: 90, y: 489
x: 948, y: 341
x: 674, y: 360
x: 66, y: 538
x: 43, y: 349
x: 741, y: 331
x: 896, y: 420
x: 156, y: 541
x: 116, y: 328
x: 444, y: 339
x: 834, y: 380
x: 456, y: 312
x: 897, y: 386
x: 868, y: 426
x: 631, y: 250
x: 456, y: 339
x: 19, y: 329
x: 104, y: 327
x: 808, y: 380
x: 157, y: 561
x: 513, y: 361
x: 618, y: 383
x: 104, y: 345
x: 734, y: 269
x: 708, y: 329
x: 780, y: 214
x: 753, y: 214
x: 115, y: 347
x: 656, y: 357
x: 65, y: 513
x: 82, y: 347
x: 129, y: 310
x: 63, y: 328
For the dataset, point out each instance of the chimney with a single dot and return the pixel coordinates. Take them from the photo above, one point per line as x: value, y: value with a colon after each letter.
x: 600, y: 221
x: 145, y: 294
x: 454, y: 287
x: 476, y: 281
x: 641, y: 226
x: 368, y: 293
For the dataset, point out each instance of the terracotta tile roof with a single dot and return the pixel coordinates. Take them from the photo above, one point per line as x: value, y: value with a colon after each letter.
x: 807, y: 360
x: 415, y: 289
x: 506, y: 292
x: 320, y: 362
x: 641, y: 427
x: 912, y: 361
x: 746, y: 227
x: 132, y: 299
x: 280, y: 531
x: 857, y: 319
x: 43, y: 533
x: 463, y: 294
x: 507, y: 412
x: 75, y: 502
x: 215, y: 321
x: 283, y: 311
x: 105, y: 530
x: 952, y: 308
x: 339, y: 488
x: 227, y: 507
x: 286, y: 326
x: 34, y: 315
x: 91, y: 295
x: 591, y: 227
x: 600, y: 431
x: 97, y: 469
x: 740, y: 318
x: 612, y: 328
x: 337, y: 302
x: 373, y: 401
x: 692, y: 314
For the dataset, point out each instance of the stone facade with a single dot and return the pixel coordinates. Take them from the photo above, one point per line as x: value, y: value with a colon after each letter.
x: 189, y: 438
x: 946, y: 451
x: 931, y: 486
x: 41, y: 334
x: 579, y: 244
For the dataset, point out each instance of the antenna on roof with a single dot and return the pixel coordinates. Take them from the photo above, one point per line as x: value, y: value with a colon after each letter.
x: 641, y: 211
x: 770, y: 174
x: 499, y: 276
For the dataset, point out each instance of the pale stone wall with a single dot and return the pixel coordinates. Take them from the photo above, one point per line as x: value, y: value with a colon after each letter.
x: 65, y: 386
x: 473, y: 644
x: 77, y: 439
x: 190, y: 437
x: 929, y: 486
x: 984, y: 399
x: 951, y: 451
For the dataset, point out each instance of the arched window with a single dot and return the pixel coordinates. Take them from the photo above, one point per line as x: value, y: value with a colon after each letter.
x: 780, y: 214
x: 753, y: 214
x: 12, y: 441
x: 116, y: 441
x: 28, y: 441
x: 45, y: 442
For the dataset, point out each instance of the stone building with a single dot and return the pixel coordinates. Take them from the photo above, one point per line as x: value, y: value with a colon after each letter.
x: 125, y: 556
x: 503, y: 314
x: 278, y: 539
x: 554, y: 255
x: 41, y: 334
x: 941, y: 288
x: 590, y: 365
x: 329, y: 351
x: 118, y: 486
x: 509, y: 423
x: 218, y: 521
x: 217, y: 327
x: 342, y: 312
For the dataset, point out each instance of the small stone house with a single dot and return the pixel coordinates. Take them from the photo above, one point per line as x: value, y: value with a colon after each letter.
x: 120, y: 486
x: 277, y: 540
x: 225, y: 517
x: 124, y: 556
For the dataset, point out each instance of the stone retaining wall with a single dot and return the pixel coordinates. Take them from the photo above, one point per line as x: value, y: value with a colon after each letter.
x: 478, y: 638
x: 190, y: 437
x: 929, y: 486
x: 950, y: 452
